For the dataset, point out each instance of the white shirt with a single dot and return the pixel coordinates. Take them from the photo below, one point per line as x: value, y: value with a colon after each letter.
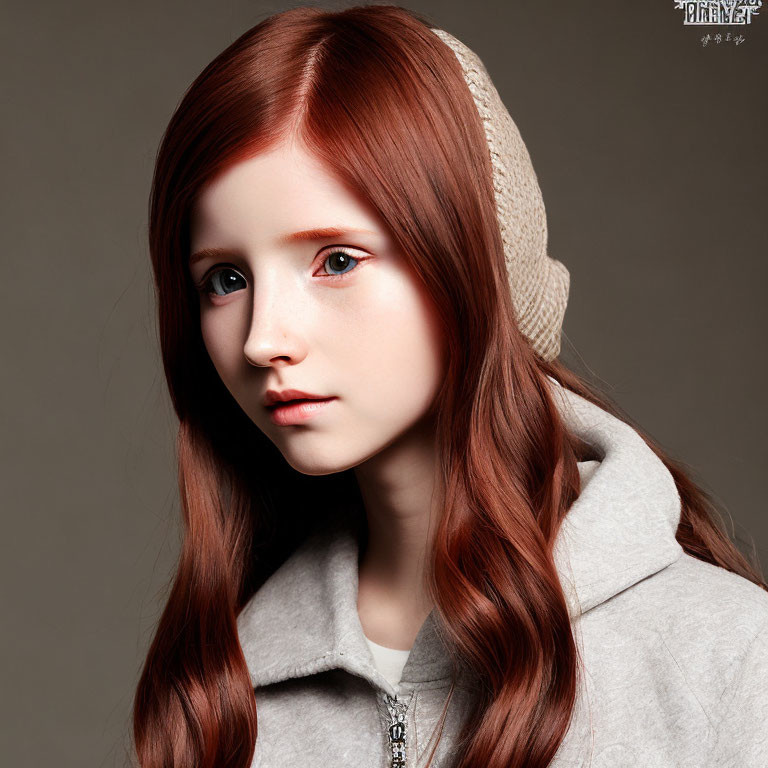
x: 389, y: 661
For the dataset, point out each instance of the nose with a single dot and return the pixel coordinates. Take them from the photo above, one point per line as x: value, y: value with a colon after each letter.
x: 274, y: 335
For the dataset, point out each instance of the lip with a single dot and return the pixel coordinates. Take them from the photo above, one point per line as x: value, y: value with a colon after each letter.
x: 297, y: 412
x: 274, y: 396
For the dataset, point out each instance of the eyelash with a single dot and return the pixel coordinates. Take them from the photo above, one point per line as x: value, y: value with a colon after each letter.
x: 204, y: 284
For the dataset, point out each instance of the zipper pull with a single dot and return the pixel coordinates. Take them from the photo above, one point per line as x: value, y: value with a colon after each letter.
x: 396, y: 731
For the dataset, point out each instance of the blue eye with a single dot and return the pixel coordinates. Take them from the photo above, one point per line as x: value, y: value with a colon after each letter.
x: 340, y: 259
x: 226, y: 279
x: 223, y: 282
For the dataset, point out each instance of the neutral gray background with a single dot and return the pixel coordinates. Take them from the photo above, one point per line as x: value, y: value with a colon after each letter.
x: 650, y: 150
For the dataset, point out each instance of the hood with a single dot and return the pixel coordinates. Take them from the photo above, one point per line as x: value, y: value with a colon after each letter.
x: 621, y: 529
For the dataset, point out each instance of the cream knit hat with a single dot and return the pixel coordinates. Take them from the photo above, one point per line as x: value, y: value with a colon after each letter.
x: 539, y: 284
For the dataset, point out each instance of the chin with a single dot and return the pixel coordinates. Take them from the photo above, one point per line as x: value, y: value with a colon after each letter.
x: 319, y: 463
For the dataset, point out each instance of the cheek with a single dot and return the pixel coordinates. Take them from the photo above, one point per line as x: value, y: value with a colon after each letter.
x: 221, y: 337
x: 399, y: 351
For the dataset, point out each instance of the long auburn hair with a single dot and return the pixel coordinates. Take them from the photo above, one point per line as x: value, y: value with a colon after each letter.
x: 373, y: 93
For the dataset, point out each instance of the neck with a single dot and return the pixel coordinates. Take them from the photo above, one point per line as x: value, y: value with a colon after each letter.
x: 400, y: 491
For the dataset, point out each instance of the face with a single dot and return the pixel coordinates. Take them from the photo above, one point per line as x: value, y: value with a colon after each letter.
x: 335, y: 314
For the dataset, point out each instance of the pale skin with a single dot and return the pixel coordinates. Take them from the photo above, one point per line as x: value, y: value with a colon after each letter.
x: 278, y: 314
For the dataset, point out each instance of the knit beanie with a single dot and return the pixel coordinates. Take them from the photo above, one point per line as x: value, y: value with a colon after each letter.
x: 538, y: 283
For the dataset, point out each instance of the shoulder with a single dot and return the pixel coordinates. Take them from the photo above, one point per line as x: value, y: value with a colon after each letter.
x: 703, y: 591
x: 695, y: 603
x: 702, y: 612
x: 692, y: 627
x: 692, y: 598
x: 720, y: 637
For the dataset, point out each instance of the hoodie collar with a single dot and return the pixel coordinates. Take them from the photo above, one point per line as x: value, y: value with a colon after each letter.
x: 622, y: 526
x: 621, y: 529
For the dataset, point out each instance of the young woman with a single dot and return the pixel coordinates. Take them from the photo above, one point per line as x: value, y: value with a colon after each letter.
x: 412, y: 536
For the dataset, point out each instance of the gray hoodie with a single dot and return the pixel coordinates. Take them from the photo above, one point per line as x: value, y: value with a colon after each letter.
x: 674, y: 650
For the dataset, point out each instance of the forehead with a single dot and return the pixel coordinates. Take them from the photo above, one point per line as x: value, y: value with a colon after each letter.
x: 282, y: 190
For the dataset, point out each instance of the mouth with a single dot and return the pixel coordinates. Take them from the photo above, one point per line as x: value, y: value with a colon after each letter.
x: 284, y: 403
x: 299, y: 410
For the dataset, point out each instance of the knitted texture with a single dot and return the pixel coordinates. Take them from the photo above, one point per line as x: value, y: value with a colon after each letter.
x: 539, y: 283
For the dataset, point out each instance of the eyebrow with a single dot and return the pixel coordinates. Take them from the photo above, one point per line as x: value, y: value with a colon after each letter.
x: 304, y: 235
